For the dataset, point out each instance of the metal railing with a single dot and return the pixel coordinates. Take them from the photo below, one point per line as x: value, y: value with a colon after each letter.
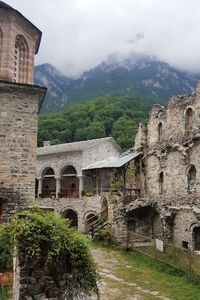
x: 69, y: 193
x: 97, y: 222
x: 182, y: 259
x: 48, y: 193
x: 64, y: 193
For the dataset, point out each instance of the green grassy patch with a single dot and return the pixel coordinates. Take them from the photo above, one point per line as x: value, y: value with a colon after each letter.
x: 151, y: 275
x: 167, y: 280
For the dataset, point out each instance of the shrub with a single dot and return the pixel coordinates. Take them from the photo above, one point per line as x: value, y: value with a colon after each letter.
x: 105, y: 235
x: 46, y: 238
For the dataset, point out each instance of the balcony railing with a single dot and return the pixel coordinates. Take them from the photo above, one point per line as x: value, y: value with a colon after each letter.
x: 48, y: 193
x: 69, y: 193
x: 64, y: 193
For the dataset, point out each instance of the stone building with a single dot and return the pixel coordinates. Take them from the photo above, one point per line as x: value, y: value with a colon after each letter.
x: 168, y: 205
x: 20, y: 102
x: 68, y: 181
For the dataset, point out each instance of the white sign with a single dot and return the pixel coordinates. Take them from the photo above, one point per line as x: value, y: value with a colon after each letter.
x: 159, y: 245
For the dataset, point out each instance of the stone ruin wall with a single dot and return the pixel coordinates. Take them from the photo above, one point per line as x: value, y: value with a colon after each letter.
x: 173, y: 155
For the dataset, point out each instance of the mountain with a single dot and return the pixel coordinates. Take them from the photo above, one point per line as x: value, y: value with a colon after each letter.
x: 109, y: 115
x: 145, y: 75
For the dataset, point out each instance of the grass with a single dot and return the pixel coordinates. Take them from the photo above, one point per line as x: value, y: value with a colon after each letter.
x: 153, y: 275
x: 167, y: 280
x: 5, y: 293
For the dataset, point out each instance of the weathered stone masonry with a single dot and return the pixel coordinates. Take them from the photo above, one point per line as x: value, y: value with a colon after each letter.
x: 18, y: 141
x: 20, y: 102
x: 171, y: 172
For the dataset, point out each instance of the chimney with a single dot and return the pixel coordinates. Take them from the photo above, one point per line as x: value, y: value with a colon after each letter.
x: 46, y: 143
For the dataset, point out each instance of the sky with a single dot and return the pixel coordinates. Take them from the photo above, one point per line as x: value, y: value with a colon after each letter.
x: 80, y: 34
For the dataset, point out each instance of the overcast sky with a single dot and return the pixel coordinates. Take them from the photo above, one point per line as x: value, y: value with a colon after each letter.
x: 79, y: 34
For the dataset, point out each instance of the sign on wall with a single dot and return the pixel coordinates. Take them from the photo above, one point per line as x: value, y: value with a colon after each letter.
x: 159, y: 245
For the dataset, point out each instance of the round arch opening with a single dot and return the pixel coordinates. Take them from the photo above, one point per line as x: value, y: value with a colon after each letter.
x: 48, y: 183
x: 69, y: 183
x: 90, y: 219
x: 72, y: 216
x: 196, y: 238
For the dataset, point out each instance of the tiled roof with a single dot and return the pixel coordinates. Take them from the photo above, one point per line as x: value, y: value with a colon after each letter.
x: 76, y: 146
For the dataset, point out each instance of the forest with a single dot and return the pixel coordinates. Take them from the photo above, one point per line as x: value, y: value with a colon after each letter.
x: 110, y: 115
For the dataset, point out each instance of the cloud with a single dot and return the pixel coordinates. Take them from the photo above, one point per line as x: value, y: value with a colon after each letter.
x: 79, y: 34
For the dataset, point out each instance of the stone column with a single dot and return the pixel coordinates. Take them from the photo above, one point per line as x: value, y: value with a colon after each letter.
x: 39, y: 186
x: 57, y: 186
x: 80, y: 177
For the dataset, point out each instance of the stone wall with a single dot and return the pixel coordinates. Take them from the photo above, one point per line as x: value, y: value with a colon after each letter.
x: 82, y: 207
x: 35, y: 280
x: 18, y: 140
x: 172, y: 148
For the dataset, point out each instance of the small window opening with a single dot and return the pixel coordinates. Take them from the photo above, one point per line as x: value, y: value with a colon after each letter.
x: 185, y: 245
x: 189, y: 119
x: 161, y: 182
x: 192, y: 178
x: 160, y: 129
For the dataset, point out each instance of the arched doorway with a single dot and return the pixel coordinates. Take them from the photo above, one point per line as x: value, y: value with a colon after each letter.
x: 90, y: 220
x: 48, y: 183
x: 196, y: 237
x: 72, y: 216
x: 144, y: 224
x: 69, y: 183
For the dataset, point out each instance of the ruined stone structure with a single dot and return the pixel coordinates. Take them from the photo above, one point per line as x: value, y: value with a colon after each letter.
x: 68, y: 181
x: 169, y: 202
x: 20, y: 102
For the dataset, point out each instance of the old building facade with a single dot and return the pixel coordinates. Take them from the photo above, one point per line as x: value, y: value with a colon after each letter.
x: 170, y: 179
x: 67, y: 181
x: 20, y: 102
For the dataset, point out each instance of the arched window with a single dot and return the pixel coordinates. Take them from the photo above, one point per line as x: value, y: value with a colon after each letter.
x: 160, y: 128
x: 48, y: 183
x: 161, y: 182
x: 21, y: 60
x: 192, y: 178
x: 189, y: 118
x: 69, y: 183
x: 72, y: 216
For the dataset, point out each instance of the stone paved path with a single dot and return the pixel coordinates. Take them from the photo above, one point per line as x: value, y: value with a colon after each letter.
x: 113, y: 286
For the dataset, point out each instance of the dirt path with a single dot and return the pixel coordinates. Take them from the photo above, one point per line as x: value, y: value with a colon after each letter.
x: 113, y: 284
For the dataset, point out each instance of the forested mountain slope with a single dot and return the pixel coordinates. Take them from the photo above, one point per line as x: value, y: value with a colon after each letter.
x: 109, y: 115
